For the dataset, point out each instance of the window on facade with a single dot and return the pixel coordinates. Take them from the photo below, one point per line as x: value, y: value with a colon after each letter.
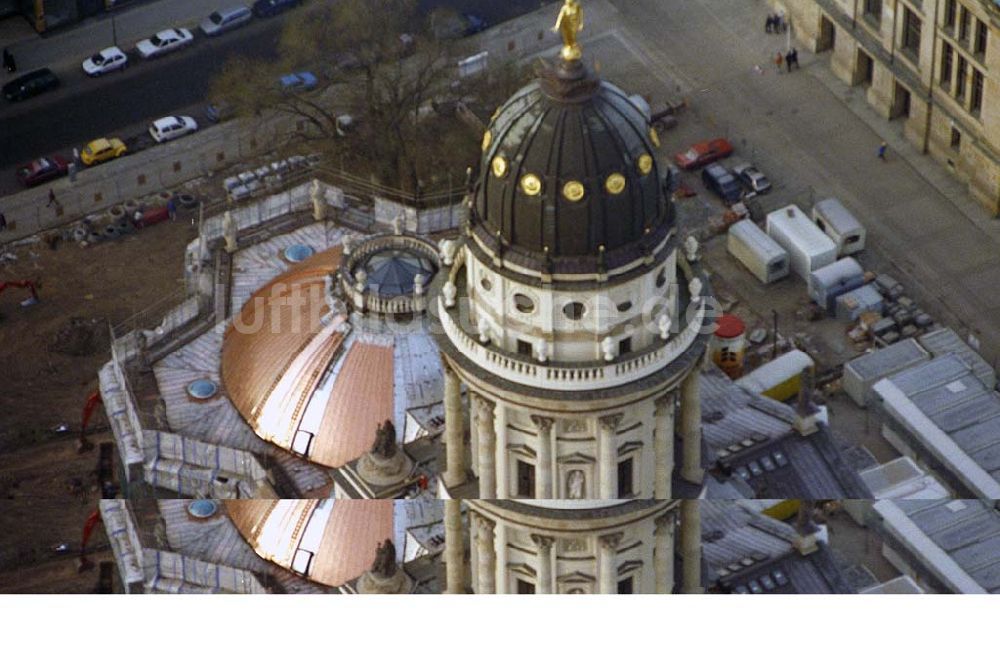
x: 624, y: 346
x: 625, y: 586
x: 976, y: 98
x: 873, y: 10
x: 524, y: 304
x: 982, y: 34
x: 911, y: 31
x: 524, y: 587
x: 947, y: 62
x: 524, y: 347
x: 574, y: 311
x: 960, y: 73
x: 964, y: 19
x: 525, y: 479
x: 956, y: 138
x: 625, y: 473
x: 950, y: 9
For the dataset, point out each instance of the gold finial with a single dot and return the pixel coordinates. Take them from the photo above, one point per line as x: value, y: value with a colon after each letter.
x: 569, y: 24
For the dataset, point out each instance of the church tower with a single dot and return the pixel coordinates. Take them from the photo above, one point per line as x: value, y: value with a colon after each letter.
x: 572, y: 329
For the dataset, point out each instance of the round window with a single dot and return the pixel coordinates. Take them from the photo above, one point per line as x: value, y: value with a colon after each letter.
x: 661, y: 277
x: 574, y: 310
x: 523, y: 304
x: 486, y: 284
x: 624, y: 306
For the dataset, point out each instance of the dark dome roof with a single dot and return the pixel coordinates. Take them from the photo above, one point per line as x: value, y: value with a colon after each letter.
x: 568, y: 165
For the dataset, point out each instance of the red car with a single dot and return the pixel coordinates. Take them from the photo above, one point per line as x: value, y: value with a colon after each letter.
x: 703, y: 153
x: 42, y: 170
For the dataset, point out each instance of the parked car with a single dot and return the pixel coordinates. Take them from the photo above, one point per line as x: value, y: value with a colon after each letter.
x: 720, y: 180
x: 102, y: 150
x: 703, y: 153
x: 474, y: 23
x: 108, y: 60
x: 172, y: 127
x: 219, y: 110
x: 266, y: 8
x: 163, y: 42
x: 42, y: 170
x: 31, y: 84
x: 225, y: 20
x: 753, y: 179
x: 298, y: 82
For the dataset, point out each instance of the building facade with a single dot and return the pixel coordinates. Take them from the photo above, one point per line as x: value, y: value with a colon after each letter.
x: 933, y: 65
x: 567, y: 312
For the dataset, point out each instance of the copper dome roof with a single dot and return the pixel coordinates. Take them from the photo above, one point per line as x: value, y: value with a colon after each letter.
x: 568, y: 170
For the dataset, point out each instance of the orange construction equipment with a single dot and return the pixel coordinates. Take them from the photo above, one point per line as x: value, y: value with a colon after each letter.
x: 23, y: 284
x: 93, y: 400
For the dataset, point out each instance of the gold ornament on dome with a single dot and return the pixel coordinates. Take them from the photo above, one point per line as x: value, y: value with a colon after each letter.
x: 574, y: 190
x: 531, y: 185
x: 499, y: 167
x: 615, y: 184
x: 568, y: 25
x: 487, y: 140
x: 654, y: 136
x: 645, y: 164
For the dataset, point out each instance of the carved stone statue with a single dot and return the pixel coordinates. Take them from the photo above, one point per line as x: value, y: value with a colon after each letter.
x: 484, y: 331
x: 385, y: 440
x: 575, y: 484
x: 663, y: 323
x: 397, y: 225
x: 608, y: 347
x: 418, y: 284
x: 361, y: 279
x: 447, y: 249
x: 569, y: 24
x: 318, y: 197
x: 691, y: 249
x: 229, y: 232
x: 449, y: 291
x: 385, y: 565
x: 695, y: 287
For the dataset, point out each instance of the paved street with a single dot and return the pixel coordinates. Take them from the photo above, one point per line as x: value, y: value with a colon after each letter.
x: 817, y: 138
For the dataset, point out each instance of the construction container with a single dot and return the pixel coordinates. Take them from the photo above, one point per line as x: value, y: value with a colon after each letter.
x: 808, y: 248
x: 729, y: 345
x: 840, y: 225
x: 861, y: 373
x: 849, y: 306
x: 838, y: 278
x: 781, y: 378
x: 946, y: 341
x: 760, y: 253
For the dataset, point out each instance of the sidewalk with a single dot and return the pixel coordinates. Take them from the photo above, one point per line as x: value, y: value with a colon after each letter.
x: 132, y: 23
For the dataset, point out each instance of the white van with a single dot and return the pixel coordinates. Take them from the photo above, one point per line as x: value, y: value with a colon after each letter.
x: 225, y: 19
x: 843, y: 228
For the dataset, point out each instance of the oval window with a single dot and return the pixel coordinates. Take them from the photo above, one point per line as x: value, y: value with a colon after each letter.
x: 661, y: 277
x: 574, y: 310
x: 486, y: 284
x: 523, y: 304
x: 624, y: 306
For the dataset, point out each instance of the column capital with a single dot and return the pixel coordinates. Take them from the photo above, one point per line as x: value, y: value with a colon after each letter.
x: 446, y: 366
x: 544, y: 543
x: 666, y: 400
x: 666, y: 521
x: 483, y: 407
x: 611, y: 421
x: 611, y: 541
x: 484, y: 526
x: 543, y: 422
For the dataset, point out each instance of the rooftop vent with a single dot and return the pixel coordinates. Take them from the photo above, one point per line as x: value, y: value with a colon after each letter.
x: 202, y: 389
x: 203, y: 508
x: 296, y: 253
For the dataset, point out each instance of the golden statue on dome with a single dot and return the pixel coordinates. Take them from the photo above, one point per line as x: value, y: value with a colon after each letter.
x: 569, y: 24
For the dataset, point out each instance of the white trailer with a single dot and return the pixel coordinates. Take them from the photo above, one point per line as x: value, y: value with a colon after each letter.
x: 840, y: 225
x: 808, y: 248
x: 762, y: 256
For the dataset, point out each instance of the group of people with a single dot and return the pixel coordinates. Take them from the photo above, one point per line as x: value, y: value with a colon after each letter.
x: 8, y: 62
x: 776, y: 23
x: 788, y: 59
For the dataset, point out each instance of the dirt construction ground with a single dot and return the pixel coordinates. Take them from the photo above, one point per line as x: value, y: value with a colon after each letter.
x: 50, y: 354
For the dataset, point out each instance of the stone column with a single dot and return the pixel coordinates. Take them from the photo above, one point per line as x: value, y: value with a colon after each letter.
x: 608, y: 457
x: 691, y: 546
x: 607, y: 561
x: 486, y: 556
x: 664, y: 554
x: 454, y: 434
x: 544, y: 545
x: 486, y: 440
x: 500, y: 462
x: 543, y: 444
x: 663, y: 446
x: 691, y: 427
x: 454, y: 546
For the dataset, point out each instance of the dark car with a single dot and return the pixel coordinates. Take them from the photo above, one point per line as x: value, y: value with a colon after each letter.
x: 42, y: 170
x: 31, y: 84
x: 265, y: 8
x: 721, y: 180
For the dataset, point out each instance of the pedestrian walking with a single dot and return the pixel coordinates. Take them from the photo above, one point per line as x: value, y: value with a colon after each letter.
x: 769, y: 24
x: 778, y: 60
x: 172, y: 209
x: 881, y: 150
x: 788, y: 61
x: 52, y: 198
x: 3, y: 222
x: 795, y: 58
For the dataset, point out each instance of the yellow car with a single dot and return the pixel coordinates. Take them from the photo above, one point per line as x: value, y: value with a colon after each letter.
x: 102, y: 150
